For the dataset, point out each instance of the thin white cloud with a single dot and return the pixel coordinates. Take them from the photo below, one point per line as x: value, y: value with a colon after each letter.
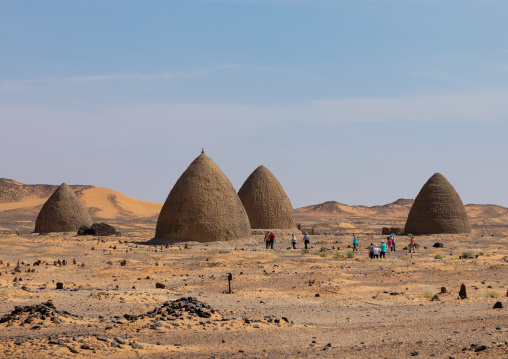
x: 19, y: 85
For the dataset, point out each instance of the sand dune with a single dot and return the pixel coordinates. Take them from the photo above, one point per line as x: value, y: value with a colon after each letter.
x: 114, y: 205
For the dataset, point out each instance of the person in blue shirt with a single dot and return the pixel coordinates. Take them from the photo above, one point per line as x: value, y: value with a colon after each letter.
x: 383, y: 250
x: 355, y: 243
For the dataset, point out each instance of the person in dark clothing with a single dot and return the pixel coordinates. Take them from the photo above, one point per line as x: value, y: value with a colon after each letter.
x: 306, y: 239
x: 272, y: 239
x: 267, y: 240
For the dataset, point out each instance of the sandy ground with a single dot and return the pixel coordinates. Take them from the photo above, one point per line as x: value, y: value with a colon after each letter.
x: 335, y: 306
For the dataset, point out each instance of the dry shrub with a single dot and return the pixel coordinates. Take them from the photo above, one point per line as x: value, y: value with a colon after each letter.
x: 428, y: 293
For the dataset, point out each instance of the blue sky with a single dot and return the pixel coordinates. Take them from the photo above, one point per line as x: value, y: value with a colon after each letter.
x: 355, y: 101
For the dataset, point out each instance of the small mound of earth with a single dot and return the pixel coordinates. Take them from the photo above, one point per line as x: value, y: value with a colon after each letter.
x: 38, y: 315
x: 188, y: 312
x: 98, y: 229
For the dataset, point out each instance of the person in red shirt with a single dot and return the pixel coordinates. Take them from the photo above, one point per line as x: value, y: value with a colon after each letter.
x: 412, y: 246
x: 272, y: 239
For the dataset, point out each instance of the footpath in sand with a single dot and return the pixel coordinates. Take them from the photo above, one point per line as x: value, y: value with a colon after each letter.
x: 285, y: 303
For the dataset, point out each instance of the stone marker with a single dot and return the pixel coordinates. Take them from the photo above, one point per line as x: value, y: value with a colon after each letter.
x: 462, y: 292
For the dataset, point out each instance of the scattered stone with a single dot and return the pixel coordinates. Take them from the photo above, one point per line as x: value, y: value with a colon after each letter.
x: 98, y: 229
x: 318, y: 295
x: 443, y: 289
x: 436, y: 298
x: 160, y: 285
x: 59, y: 285
x: 438, y: 245
x: 480, y: 348
x: 120, y: 340
x: 498, y: 305
x: 414, y: 354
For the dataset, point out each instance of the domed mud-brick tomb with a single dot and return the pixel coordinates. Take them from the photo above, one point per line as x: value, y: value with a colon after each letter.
x: 437, y: 209
x: 202, y: 206
x: 62, y: 212
x: 266, y: 202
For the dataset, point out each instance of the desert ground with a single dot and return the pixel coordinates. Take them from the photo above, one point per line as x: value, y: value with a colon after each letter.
x: 285, y: 303
x: 122, y: 298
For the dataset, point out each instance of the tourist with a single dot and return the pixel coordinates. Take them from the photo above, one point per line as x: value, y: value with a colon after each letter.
x: 375, y: 252
x: 383, y: 250
x: 412, y: 245
x: 390, y: 244
x: 393, y: 241
x: 306, y: 239
x: 272, y: 239
x: 293, y: 241
x: 267, y: 239
x: 371, y: 250
x: 355, y: 243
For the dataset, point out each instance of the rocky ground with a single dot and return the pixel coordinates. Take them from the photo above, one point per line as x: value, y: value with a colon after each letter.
x: 122, y: 298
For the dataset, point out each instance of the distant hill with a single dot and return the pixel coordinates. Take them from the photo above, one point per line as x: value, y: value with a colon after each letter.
x: 20, y: 203
x: 14, y: 191
x: 332, y: 216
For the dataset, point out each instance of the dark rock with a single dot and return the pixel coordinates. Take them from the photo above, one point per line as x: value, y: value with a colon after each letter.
x: 160, y: 285
x: 414, y: 354
x: 59, y: 285
x: 436, y: 298
x: 498, y: 305
x: 318, y: 295
x: 480, y: 348
x: 462, y: 292
x: 443, y: 289
x: 438, y: 245
x: 98, y: 229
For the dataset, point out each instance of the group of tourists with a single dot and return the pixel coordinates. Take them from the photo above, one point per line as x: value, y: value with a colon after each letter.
x: 380, y: 252
x: 270, y: 239
x: 375, y: 251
